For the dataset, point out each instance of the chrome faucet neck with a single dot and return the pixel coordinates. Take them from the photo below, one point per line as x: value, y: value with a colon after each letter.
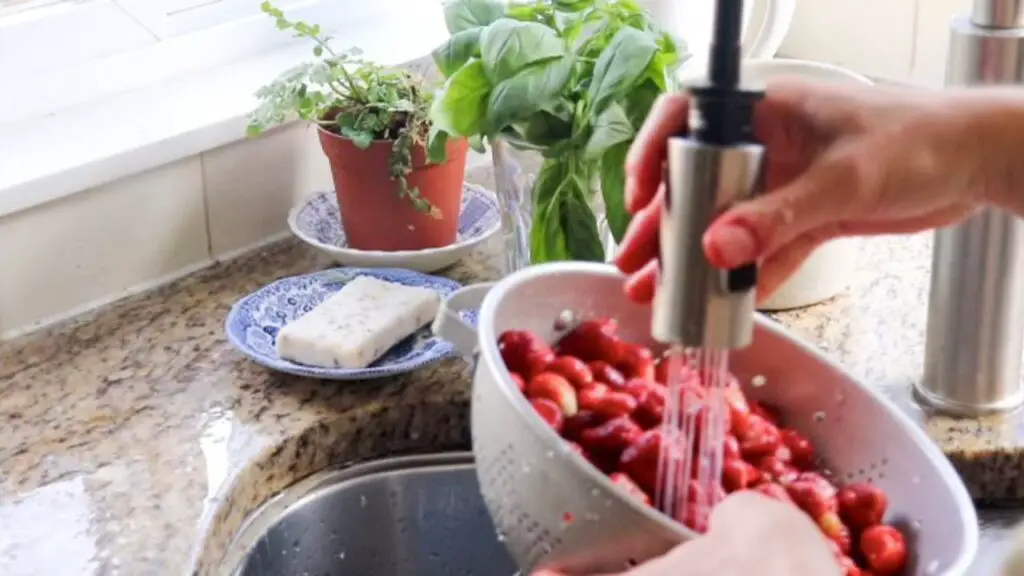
x: 998, y: 13
x: 975, y: 332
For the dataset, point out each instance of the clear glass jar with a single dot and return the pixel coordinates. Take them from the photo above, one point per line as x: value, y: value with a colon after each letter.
x: 515, y: 173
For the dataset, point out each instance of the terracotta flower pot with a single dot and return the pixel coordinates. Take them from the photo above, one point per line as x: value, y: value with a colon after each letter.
x: 374, y: 216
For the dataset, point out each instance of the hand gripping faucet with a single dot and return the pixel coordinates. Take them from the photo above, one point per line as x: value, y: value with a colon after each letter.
x: 975, y: 333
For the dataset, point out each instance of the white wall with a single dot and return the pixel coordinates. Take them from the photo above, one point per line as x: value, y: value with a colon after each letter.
x: 900, y: 40
x: 60, y: 258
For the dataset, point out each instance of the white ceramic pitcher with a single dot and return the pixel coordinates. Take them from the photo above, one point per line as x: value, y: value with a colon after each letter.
x: 766, y: 23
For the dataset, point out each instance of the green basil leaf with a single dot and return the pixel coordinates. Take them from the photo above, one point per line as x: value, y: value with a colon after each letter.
x: 547, y: 240
x: 437, y: 145
x: 460, y: 15
x: 457, y: 51
x: 579, y: 224
x: 545, y: 128
x: 639, y: 101
x: 536, y: 88
x: 462, y: 104
x: 613, y: 188
x: 619, y: 66
x: 508, y: 46
x: 610, y: 128
x: 476, y: 142
x: 573, y: 5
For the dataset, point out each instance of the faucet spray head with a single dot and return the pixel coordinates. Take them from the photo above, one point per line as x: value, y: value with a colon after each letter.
x: 716, y: 164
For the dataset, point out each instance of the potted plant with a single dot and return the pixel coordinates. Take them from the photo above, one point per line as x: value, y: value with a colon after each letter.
x: 398, y: 181
x: 569, y: 81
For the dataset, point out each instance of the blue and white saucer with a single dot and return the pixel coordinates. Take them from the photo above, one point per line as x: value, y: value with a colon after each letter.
x: 254, y: 321
x: 316, y: 220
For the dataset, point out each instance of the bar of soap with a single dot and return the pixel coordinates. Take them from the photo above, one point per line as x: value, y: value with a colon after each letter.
x: 357, y: 325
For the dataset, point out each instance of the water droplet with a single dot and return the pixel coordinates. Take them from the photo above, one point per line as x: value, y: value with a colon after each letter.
x: 362, y: 501
x: 932, y: 568
x: 915, y: 480
x: 819, y: 416
x: 526, y: 468
x: 916, y: 524
x: 758, y: 381
x: 595, y: 492
x: 550, y: 453
x: 840, y: 398
x: 341, y: 555
x: 501, y: 537
x: 566, y: 318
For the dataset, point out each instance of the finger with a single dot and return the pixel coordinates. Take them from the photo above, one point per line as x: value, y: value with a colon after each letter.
x: 639, y: 286
x: 640, y: 243
x: 647, y: 153
x: 784, y: 263
x: 826, y: 194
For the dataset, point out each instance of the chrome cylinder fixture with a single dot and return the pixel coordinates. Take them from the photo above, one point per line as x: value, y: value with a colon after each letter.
x: 975, y: 334
x: 695, y: 304
x: 715, y: 164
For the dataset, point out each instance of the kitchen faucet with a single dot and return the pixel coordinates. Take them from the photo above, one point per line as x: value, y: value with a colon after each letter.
x: 975, y: 333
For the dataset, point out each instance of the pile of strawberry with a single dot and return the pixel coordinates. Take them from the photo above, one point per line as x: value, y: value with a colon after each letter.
x: 606, y: 397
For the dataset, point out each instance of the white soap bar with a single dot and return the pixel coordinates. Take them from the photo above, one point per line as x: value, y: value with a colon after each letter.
x: 356, y: 326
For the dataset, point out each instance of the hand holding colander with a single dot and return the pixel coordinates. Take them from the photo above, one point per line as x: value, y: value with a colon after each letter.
x: 555, y: 510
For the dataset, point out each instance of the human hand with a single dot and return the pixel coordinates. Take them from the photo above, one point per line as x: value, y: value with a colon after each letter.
x: 748, y: 534
x: 841, y: 161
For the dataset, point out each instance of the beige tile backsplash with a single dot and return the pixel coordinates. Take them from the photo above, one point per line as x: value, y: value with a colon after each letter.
x: 66, y: 256
x: 251, y: 185
x: 101, y: 244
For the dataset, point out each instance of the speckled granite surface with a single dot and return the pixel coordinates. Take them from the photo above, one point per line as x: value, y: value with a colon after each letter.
x: 135, y: 441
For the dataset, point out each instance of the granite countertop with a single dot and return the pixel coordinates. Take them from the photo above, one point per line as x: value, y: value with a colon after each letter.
x: 135, y: 440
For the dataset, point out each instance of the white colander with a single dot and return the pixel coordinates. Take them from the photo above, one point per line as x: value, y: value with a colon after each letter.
x: 555, y: 510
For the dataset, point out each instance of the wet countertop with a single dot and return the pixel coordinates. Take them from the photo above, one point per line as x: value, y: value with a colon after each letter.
x: 135, y: 440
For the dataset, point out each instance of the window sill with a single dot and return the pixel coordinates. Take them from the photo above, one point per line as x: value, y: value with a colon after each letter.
x: 53, y: 156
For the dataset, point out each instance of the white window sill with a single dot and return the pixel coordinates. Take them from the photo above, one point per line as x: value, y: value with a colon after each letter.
x: 50, y: 157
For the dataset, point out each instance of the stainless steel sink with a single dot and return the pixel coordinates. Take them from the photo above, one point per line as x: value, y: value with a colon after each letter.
x: 411, y: 516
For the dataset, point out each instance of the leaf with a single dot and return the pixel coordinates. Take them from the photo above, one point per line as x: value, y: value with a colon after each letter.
x: 437, y: 146
x: 476, y: 142
x: 360, y: 138
x: 462, y: 46
x: 582, y: 238
x: 460, y: 15
x: 610, y: 128
x: 533, y: 89
x: 546, y: 129
x: 619, y: 66
x: 639, y: 101
x: 460, y: 108
x: 613, y: 188
x: 547, y: 242
x: 572, y: 5
x: 508, y: 46
x: 564, y: 226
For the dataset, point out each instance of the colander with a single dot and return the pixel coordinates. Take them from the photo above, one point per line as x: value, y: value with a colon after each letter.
x: 555, y: 510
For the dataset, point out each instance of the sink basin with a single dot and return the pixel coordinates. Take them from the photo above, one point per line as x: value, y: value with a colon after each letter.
x: 410, y: 516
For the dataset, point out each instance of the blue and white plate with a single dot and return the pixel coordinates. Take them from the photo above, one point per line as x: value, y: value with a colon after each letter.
x: 254, y: 321
x: 316, y: 221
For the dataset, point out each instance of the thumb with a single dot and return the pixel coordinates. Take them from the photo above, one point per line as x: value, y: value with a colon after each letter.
x: 827, y: 193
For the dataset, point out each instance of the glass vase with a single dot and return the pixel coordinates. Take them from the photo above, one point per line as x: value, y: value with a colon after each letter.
x: 515, y: 173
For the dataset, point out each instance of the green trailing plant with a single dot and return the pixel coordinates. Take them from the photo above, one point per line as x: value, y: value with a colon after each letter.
x: 356, y: 99
x: 570, y: 79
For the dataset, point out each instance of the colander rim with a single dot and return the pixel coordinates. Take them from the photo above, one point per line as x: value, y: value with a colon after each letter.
x: 489, y: 354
